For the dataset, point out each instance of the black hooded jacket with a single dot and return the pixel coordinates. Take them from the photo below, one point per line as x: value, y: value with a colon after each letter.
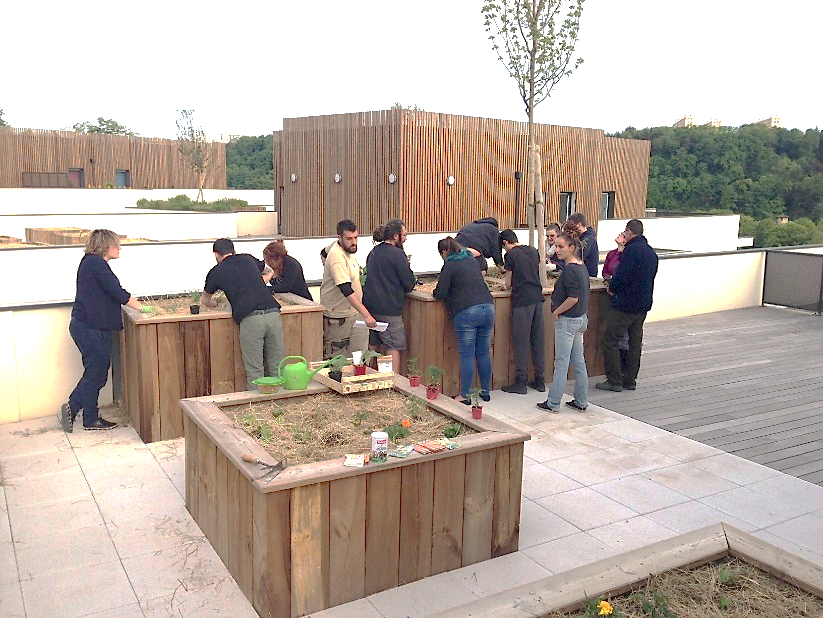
x: 483, y: 235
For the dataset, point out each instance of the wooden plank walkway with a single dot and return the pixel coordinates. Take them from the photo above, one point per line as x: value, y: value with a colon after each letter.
x: 747, y: 381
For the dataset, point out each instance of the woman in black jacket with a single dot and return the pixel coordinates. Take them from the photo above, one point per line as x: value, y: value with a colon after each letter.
x: 471, y: 308
x: 94, y: 317
x: 287, y: 273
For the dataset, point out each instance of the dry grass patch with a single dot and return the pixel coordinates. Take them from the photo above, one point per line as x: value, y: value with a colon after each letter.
x: 314, y: 428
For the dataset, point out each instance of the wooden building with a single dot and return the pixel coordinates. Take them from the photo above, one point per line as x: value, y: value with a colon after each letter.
x: 438, y: 171
x: 42, y: 158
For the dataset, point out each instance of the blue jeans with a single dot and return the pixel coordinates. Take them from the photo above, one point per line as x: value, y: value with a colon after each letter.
x: 95, y: 348
x: 568, y: 346
x: 473, y: 327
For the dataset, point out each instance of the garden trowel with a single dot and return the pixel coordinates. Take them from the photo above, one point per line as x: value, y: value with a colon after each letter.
x: 272, y: 469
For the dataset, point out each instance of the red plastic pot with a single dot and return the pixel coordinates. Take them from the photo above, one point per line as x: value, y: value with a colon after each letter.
x: 432, y: 392
x: 359, y: 370
x: 414, y: 380
x: 477, y: 412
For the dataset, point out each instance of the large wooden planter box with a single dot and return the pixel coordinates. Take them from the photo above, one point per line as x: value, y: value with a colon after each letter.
x: 323, y: 534
x: 430, y: 337
x: 166, y: 358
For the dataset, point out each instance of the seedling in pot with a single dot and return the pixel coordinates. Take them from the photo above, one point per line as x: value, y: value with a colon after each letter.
x: 195, y: 301
x: 474, y: 400
x: 434, y: 379
x: 336, y: 365
x: 413, y: 371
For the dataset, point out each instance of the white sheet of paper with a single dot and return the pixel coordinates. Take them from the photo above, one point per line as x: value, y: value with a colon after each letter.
x: 381, y: 326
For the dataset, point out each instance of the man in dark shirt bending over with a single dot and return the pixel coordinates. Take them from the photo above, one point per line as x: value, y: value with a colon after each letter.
x: 240, y: 276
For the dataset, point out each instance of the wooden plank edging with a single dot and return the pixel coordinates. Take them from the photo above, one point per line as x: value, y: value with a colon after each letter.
x: 569, y: 590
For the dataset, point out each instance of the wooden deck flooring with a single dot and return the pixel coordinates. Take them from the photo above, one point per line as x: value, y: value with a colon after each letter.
x: 747, y: 381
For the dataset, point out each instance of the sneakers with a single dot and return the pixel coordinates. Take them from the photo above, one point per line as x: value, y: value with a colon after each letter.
x: 99, y: 424
x: 518, y: 388
x: 544, y: 405
x: 608, y: 386
x: 485, y: 396
x: 630, y: 387
x: 572, y: 403
x: 538, y: 385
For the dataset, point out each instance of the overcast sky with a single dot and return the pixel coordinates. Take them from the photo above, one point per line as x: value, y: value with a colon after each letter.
x: 245, y: 65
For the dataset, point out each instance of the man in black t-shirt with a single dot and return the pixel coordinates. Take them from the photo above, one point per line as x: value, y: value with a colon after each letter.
x: 523, y: 278
x: 240, y: 276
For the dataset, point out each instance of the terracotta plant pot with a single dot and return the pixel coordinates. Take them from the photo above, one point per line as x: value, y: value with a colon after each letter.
x: 477, y: 412
x: 336, y: 375
x: 432, y: 392
x: 414, y: 380
x: 359, y: 370
x: 195, y: 309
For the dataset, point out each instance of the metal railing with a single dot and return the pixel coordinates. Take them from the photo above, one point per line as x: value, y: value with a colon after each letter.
x: 794, y: 279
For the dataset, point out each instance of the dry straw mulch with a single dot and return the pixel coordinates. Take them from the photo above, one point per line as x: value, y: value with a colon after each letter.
x: 325, y: 426
x: 179, y: 305
x: 727, y: 588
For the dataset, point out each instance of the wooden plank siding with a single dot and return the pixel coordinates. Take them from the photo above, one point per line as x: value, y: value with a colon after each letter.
x: 746, y: 381
x: 422, y: 149
x: 153, y: 163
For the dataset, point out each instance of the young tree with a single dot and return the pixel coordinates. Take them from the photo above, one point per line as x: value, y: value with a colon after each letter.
x: 535, y: 41
x: 3, y: 123
x: 193, y: 147
x: 109, y: 127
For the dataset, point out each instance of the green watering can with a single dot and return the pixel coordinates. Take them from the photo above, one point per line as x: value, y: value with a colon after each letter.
x: 297, y: 376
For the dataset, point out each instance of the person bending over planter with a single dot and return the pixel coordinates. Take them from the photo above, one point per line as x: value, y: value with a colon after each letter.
x: 389, y: 278
x: 471, y: 309
x: 286, y: 272
x: 482, y: 235
x: 570, y: 306
x: 94, y: 317
x: 241, y: 276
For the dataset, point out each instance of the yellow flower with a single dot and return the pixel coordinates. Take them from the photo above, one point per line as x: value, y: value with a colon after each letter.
x: 606, y: 608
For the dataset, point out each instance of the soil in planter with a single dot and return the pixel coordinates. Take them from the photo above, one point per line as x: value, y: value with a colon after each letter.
x: 329, y: 425
x: 179, y: 305
x: 730, y: 588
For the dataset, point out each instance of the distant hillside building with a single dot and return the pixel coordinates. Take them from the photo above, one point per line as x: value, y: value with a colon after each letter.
x: 685, y: 121
x: 712, y: 123
x: 771, y: 121
x: 440, y: 171
x: 45, y: 158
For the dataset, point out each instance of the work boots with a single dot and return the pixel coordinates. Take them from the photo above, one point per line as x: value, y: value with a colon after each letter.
x: 519, y: 388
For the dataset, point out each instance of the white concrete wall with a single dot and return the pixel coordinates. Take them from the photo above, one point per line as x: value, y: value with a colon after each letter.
x: 69, y: 201
x: 696, y: 234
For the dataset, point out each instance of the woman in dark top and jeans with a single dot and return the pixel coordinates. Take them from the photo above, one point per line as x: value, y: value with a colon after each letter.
x: 471, y: 308
x: 287, y: 273
x: 94, y: 317
x: 570, y: 306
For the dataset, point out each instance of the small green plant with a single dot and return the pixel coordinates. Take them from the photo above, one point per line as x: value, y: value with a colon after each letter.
x: 302, y: 436
x: 657, y: 606
x: 359, y: 417
x: 338, y: 362
x: 363, y: 276
x: 367, y: 356
x: 195, y: 296
x: 727, y: 576
x: 451, y: 431
x: 434, y: 375
x: 265, y: 433
x: 397, y: 432
x: 474, y: 396
x: 413, y: 366
x: 415, y: 407
x: 723, y: 603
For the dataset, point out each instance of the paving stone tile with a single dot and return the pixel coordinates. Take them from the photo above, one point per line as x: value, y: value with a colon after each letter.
x: 640, y: 494
x: 8, y: 564
x: 145, y: 534
x: 689, y: 480
x: 38, y: 465
x: 5, y: 523
x: 585, y: 508
x: 151, y: 500
x: 569, y: 552
x: 110, y: 453
x: 30, y: 438
x: 133, y: 610
x: 356, y: 609
x: 636, y: 459
x: 498, y: 574
x: 757, y: 509
x: 735, y: 469
x: 694, y: 515
x: 11, y: 600
x: 538, y: 525
x: 128, y: 475
x: 82, y: 547
x: 588, y: 468
x: 41, y: 490
x: 552, y: 447
x: 422, y: 598
x: 69, y: 596
x: 540, y: 481
x: 806, y: 530
x: 797, y: 549
x: 58, y: 516
x: 633, y: 430
x: 680, y: 448
x: 632, y: 533
x: 797, y: 492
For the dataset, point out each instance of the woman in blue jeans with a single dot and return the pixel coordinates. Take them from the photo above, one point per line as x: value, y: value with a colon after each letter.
x: 469, y: 304
x: 570, y: 306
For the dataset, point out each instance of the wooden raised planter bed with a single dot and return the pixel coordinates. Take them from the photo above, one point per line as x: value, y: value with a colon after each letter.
x: 323, y: 534
x: 168, y: 357
x: 430, y: 337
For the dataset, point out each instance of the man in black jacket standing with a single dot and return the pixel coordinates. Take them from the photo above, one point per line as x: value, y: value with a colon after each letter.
x: 588, y: 237
x: 631, y: 287
x: 388, y: 278
x: 482, y: 235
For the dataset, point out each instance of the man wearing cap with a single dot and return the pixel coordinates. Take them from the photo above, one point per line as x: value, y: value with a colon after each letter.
x: 588, y: 237
x: 631, y: 287
x: 240, y: 276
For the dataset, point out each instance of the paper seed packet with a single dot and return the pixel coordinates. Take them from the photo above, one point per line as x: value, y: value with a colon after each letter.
x: 401, y: 451
x: 355, y: 461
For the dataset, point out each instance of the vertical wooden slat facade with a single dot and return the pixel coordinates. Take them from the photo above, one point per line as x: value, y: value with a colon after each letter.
x: 422, y: 149
x: 153, y: 163
x: 168, y: 358
x: 320, y: 535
